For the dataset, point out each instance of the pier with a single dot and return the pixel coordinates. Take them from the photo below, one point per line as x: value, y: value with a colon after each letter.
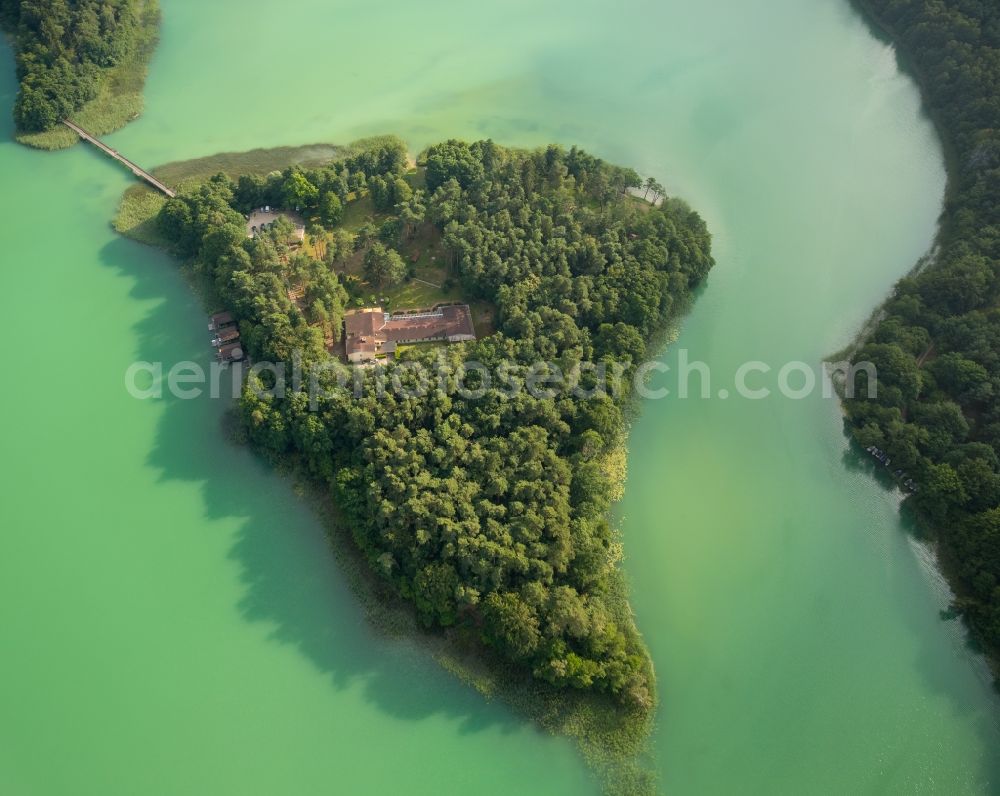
x: 114, y: 153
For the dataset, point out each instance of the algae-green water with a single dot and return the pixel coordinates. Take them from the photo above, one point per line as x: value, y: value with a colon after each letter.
x: 170, y: 618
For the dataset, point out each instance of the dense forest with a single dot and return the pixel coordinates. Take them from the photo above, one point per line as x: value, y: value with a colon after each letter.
x: 489, y: 513
x: 64, y: 48
x: 937, y: 342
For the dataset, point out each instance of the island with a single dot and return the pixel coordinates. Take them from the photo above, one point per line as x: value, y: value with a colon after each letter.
x: 484, y: 507
x: 83, y: 60
x: 934, y: 422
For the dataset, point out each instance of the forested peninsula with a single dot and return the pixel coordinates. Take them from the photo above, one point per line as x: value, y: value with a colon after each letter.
x: 488, y: 513
x: 936, y: 341
x: 83, y: 60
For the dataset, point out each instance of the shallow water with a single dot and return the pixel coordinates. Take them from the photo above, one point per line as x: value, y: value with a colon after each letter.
x: 171, y: 619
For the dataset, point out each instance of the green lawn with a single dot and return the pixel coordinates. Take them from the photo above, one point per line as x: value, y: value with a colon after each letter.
x: 358, y: 212
x: 417, y: 178
x: 413, y: 294
x: 403, y: 348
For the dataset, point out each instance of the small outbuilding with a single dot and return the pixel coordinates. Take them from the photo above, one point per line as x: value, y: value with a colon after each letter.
x: 221, y: 320
x: 230, y: 353
x: 226, y: 335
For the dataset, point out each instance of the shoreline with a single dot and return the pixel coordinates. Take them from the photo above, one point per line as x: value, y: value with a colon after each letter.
x: 946, y: 562
x: 907, y: 66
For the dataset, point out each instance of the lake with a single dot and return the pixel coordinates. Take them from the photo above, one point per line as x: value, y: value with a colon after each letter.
x: 172, y: 620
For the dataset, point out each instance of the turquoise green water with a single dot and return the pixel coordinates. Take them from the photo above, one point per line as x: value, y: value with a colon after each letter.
x: 171, y: 621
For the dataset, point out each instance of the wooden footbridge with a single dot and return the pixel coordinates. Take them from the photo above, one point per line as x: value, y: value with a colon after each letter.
x: 114, y: 153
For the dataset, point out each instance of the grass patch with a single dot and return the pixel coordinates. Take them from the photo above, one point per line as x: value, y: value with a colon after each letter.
x: 638, y: 201
x: 254, y: 161
x: 411, y: 294
x: 136, y: 216
x: 414, y: 294
x: 416, y: 178
x: 358, y: 212
x: 140, y: 203
x: 403, y: 348
x: 119, y: 98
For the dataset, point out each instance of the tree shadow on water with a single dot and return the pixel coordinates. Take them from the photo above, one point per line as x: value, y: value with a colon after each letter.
x: 292, y: 582
x: 935, y: 663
